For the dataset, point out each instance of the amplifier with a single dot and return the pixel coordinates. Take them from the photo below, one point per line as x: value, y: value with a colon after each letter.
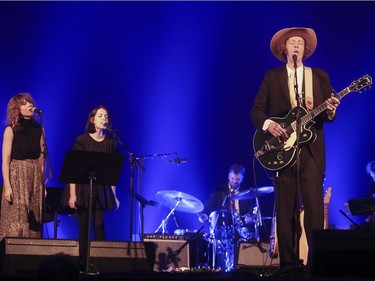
x: 343, y: 253
x: 170, y: 254
x: 254, y: 255
x: 164, y: 236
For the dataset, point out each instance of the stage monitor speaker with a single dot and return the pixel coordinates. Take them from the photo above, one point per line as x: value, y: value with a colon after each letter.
x: 117, y: 257
x: 343, y: 253
x: 22, y: 256
x: 253, y: 255
x: 166, y: 257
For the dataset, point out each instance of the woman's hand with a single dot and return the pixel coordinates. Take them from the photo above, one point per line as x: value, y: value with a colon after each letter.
x: 73, y: 201
x: 8, y: 194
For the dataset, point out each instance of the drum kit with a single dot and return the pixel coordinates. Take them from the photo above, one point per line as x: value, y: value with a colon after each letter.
x: 226, y: 227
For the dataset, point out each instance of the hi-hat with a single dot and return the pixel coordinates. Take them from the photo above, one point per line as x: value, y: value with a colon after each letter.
x: 181, y: 201
x: 253, y: 193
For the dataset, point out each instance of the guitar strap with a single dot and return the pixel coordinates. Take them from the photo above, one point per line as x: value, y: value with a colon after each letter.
x: 306, y: 86
x: 309, y: 100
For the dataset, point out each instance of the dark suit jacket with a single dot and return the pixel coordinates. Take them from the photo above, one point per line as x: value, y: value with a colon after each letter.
x: 272, y: 100
x: 217, y: 197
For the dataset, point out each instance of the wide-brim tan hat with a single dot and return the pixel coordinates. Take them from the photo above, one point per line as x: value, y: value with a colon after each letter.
x: 278, y: 41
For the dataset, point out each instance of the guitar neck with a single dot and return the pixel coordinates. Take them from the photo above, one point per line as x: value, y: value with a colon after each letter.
x: 319, y: 109
x: 327, y: 199
x: 326, y: 215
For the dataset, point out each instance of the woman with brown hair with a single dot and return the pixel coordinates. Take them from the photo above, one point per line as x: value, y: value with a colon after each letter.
x: 22, y: 169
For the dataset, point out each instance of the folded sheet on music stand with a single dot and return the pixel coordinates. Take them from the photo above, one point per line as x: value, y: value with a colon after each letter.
x: 362, y: 206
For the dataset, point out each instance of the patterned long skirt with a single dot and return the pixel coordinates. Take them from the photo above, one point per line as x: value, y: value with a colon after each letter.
x: 23, y: 217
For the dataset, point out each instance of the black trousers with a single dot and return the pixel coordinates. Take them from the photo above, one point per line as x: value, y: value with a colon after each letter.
x: 311, y: 190
x: 97, y: 220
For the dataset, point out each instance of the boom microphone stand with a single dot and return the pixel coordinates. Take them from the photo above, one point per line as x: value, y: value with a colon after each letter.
x: 133, y: 160
x: 46, y: 165
x: 138, y: 195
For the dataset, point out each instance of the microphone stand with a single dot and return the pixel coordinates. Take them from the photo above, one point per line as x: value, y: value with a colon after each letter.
x: 298, y: 201
x: 133, y: 160
x: 188, y: 241
x: 141, y: 158
x: 46, y: 165
x: 143, y: 203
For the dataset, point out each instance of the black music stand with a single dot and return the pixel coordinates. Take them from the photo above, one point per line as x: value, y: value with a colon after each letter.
x: 87, y: 167
x: 362, y: 206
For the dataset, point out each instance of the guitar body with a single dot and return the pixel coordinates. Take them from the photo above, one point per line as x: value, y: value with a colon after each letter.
x: 273, y: 252
x: 303, y: 244
x: 282, y: 153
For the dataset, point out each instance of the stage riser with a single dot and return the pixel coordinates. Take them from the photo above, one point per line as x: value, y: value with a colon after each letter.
x: 342, y: 253
x: 117, y: 257
x: 22, y: 256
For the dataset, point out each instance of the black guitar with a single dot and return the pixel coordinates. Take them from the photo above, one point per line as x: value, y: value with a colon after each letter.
x: 274, y: 153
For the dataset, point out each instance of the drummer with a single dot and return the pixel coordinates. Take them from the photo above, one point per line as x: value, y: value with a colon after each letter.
x: 220, y: 197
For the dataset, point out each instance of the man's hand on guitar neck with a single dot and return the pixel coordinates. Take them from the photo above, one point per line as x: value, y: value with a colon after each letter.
x: 278, y: 131
x: 332, y: 103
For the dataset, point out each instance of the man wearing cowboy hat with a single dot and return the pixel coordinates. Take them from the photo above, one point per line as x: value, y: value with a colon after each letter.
x: 282, y: 89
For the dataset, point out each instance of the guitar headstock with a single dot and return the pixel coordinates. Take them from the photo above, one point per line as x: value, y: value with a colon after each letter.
x: 361, y: 83
x: 327, y: 196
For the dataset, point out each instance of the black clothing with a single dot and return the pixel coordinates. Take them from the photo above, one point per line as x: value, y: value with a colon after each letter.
x: 26, y: 142
x: 23, y: 218
x: 219, y: 199
x: 103, y: 197
x: 273, y: 100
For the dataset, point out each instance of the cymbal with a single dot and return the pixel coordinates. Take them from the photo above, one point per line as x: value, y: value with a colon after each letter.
x: 181, y: 201
x: 264, y: 189
x: 252, y: 193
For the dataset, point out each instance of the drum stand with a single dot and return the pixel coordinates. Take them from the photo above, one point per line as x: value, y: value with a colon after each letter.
x: 165, y: 220
x: 179, y: 201
x: 258, y: 219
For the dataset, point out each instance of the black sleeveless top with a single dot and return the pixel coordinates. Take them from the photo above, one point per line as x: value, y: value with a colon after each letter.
x: 26, y: 141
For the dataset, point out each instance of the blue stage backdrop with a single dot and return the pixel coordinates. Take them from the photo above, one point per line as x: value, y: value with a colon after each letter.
x: 180, y: 77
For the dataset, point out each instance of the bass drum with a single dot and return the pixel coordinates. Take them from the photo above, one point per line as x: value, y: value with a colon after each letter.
x: 222, y: 224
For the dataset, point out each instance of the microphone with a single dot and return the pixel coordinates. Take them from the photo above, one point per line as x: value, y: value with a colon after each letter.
x: 178, y: 160
x: 36, y: 110
x: 107, y: 127
x: 295, y: 60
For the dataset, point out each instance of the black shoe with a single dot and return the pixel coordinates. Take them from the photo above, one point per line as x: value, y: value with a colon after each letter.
x: 285, y: 271
x: 291, y: 271
x: 82, y: 266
